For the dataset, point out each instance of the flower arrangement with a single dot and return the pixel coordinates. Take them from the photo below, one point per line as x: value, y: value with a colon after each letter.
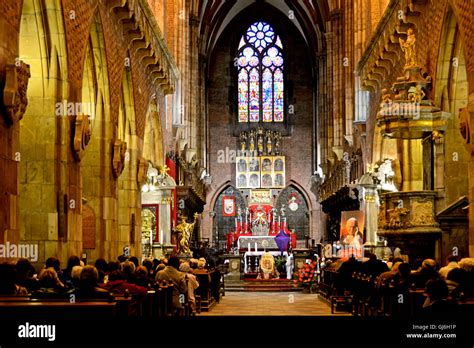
x: 306, y: 275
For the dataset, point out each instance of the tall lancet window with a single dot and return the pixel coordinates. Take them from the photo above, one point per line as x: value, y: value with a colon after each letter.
x: 260, y: 75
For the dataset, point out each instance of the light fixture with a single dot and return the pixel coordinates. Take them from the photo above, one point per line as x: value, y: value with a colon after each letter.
x: 145, y: 188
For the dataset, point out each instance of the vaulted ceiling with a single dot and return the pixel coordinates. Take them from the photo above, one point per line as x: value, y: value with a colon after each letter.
x: 310, y: 17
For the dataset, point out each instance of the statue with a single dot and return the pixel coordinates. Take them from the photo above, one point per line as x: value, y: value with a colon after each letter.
x: 243, y: 142
x: 269, y: 143
x: 277, y: 138
x: 184, y: 231
x: 408, y: 46
x: 252, y: 141
x: 260, y: 145
x: 415, y: 94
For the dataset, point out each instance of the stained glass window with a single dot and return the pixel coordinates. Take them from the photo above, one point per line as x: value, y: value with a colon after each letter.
x: 260, y: 75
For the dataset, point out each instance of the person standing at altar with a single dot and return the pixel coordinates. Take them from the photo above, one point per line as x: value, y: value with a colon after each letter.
x: 289, y: 264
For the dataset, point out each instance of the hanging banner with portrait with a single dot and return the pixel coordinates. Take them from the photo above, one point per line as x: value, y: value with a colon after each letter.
x: 352, y: 233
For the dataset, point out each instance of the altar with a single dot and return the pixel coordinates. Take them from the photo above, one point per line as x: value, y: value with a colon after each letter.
x: 257, y: 227
x: 251, y: 260
x: 256, y: 243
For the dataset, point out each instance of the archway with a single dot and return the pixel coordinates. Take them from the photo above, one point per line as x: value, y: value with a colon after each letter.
x: 224, y: 222
x: 297, y: 212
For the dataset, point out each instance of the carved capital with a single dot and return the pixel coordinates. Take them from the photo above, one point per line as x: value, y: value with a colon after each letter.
x: 118, y: 157
x: 14, y: 94
x: 82, y: 136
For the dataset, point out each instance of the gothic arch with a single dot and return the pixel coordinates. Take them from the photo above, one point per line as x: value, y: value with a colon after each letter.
x: 299, y: 213
x: 224, y: 224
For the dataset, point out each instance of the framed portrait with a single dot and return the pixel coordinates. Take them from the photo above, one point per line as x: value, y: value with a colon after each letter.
x: 267, y: 164
x: 242, y: 181
x: 228, y: 206
x: 352, y: 229
x: 279, y: 181
x: 254, y: 181
x: 254, y: 164
x: 267, y: 181
x: 279, y: 164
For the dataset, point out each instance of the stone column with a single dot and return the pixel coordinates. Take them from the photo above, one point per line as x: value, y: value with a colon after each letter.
x: 371, y: 214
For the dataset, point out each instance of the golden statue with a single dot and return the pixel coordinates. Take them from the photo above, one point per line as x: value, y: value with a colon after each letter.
x: 408, y: 46
x: 183, y: 233
x: 415, y: 94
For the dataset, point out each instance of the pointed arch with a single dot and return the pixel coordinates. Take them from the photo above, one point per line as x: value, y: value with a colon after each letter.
x: 297, y: 210
x: 225, y: 224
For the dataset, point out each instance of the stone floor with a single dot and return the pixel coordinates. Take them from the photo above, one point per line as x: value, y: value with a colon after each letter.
x: 270, y: 304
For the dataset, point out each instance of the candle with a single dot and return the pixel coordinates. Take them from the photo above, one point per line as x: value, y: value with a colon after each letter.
x: 236, y: 224
x: 151, y: 238
x: 255, y: 246
x: 249, y: 246
x: 161, y: 237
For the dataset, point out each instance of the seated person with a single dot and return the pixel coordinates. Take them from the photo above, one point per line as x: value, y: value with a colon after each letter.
x: 142, y: 278
x: 7, y: 281
x: 101, y: 266
x: 50, y: 285
x: 458, y: 283
x: 427, y: 272
x: 437, y: 298
x: 76, y: 275
x: 24, y: 275
x: 88, y: 285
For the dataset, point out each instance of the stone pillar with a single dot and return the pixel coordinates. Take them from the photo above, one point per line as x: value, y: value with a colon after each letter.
x: 369, y: 206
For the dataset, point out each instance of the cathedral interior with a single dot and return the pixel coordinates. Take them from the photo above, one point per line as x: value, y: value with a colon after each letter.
x: 142, y: 127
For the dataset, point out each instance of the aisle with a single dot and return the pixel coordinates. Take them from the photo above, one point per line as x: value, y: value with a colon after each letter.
x: 270, y: 303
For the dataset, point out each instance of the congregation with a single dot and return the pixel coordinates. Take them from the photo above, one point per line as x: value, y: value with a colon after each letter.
x: 398, y: 288
x: 124, y: 276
